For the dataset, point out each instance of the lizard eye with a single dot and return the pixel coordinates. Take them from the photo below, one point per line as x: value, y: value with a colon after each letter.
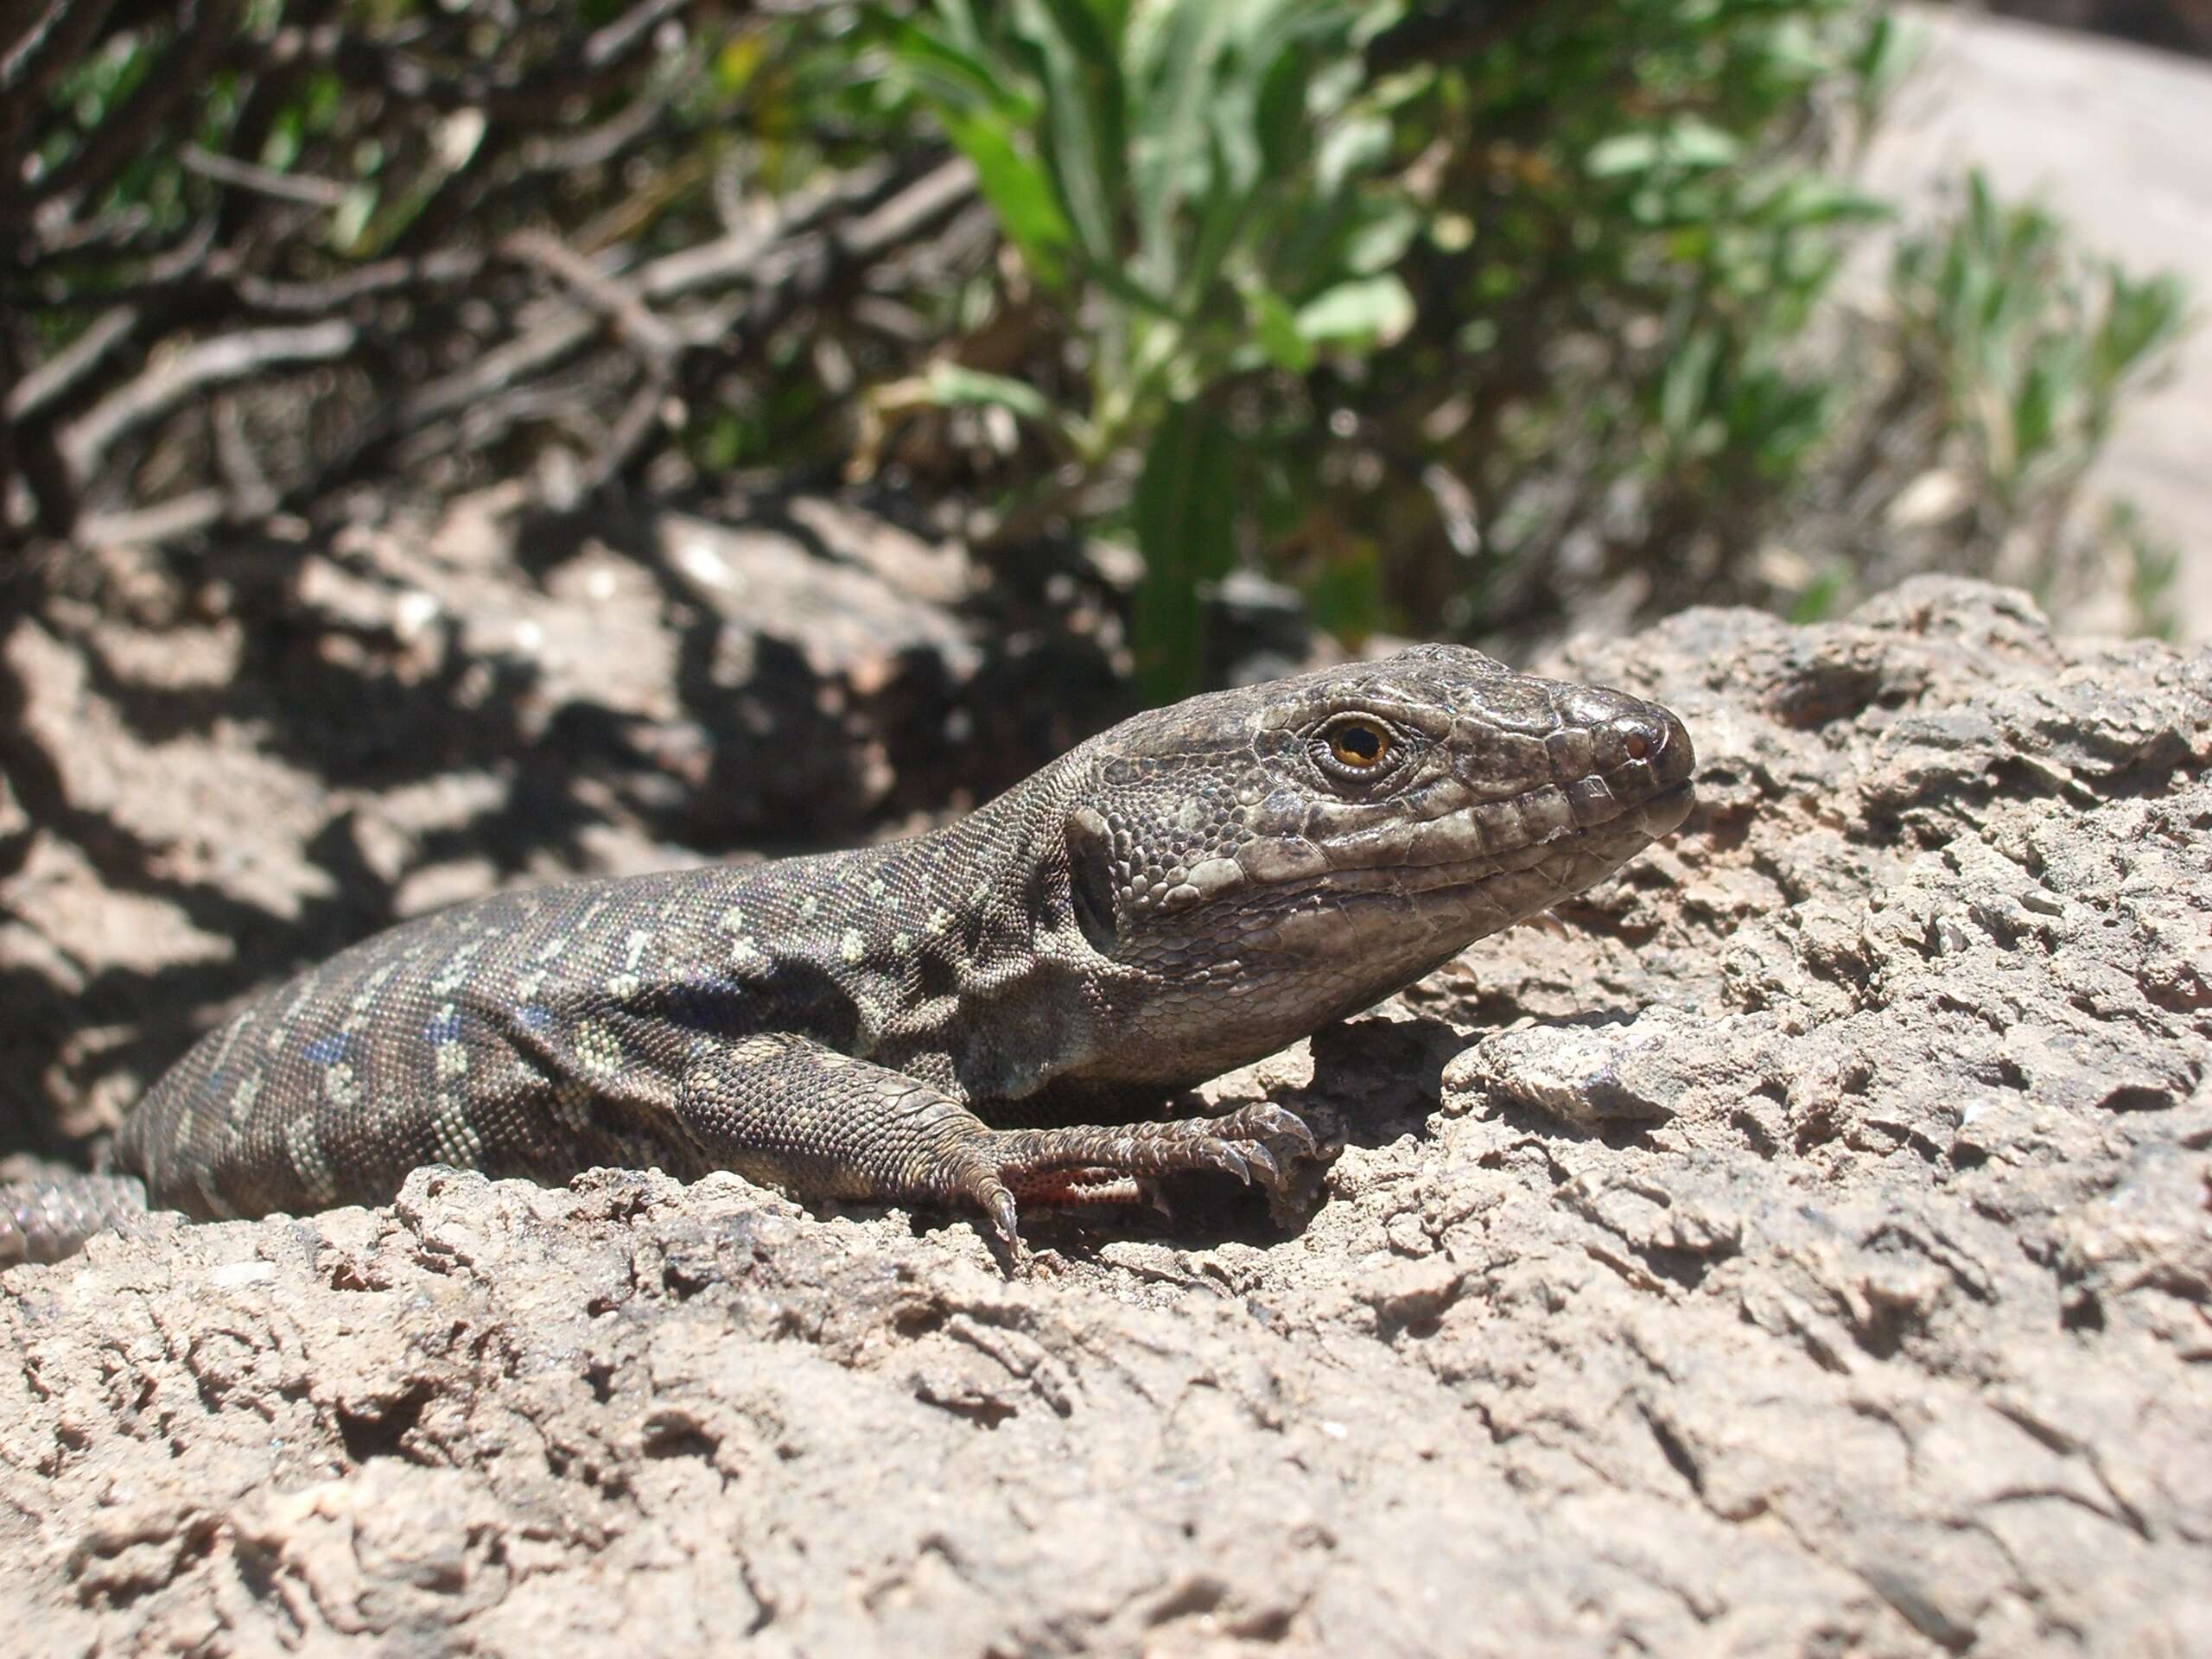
x: 1358, y: 743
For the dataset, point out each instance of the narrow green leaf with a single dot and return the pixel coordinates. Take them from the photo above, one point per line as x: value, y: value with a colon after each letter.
x: 1086, y: 142
x: 943, y: 71
x: 1183, y: 516
x: 1017, y: 191
x: 954, y: 387
x: 1685, y: 390
x: 1169, y: 155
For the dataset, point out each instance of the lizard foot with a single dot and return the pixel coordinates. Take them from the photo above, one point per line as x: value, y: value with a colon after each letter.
x: 1082, y: 1163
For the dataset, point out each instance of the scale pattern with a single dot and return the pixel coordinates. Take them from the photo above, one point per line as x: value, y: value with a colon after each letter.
x: 973, y: 1017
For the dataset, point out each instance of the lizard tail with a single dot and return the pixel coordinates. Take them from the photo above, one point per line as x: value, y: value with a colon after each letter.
x: 46, y: 1219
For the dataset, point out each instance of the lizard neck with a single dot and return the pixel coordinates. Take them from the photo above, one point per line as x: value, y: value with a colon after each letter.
x: 971, y: 969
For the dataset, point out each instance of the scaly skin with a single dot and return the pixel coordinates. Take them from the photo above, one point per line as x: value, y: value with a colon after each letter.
x: 934, y: 1020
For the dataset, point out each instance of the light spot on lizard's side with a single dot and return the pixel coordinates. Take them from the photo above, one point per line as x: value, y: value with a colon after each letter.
x: 733, y: 920
x: 340, y: 1086
x: 364, y: 999
x: 455, y: 1136
x: 211, y: 1196
x: 282, y: 1028
x: 940, y: 920
x: 243, y: 1095
x: 232, y: 1029
x: 809, y: 908
x: 454, y: 974
x: 452, y: 1060
x: 303, y: 1147
x: 627, y: 983
x: 599, y: 1051
x: 876, y: 890
x: 743, y: 949
x: 852, y: 947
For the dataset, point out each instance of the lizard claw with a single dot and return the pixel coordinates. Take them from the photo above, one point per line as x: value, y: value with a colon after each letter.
x: 1263, y: 1163
x: 1219, y: 1154
x: 1005, y: 1219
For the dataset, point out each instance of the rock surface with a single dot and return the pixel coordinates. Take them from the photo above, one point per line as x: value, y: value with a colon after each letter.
x: 1803, y: 1246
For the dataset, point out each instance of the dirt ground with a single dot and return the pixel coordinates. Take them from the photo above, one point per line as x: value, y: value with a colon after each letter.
x: 1801, y: 1245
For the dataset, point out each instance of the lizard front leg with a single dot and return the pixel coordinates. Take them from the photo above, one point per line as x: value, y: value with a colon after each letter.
x: 787, y: 1110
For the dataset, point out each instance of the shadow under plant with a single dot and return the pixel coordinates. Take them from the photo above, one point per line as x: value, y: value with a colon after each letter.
x: 226, y: 767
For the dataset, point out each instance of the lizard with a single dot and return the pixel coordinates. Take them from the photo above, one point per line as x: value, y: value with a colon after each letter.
x: 970, y: 1018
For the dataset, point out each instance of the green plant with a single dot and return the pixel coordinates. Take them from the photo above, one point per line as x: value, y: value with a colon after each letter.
x: 1199, y: 188
x: 1464, y: 319
x: 1406, y: 323
x: 2025, y: 348
x: 2150, y: 566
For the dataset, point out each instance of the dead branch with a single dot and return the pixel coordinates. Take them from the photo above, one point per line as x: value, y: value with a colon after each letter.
x: 191, y: 372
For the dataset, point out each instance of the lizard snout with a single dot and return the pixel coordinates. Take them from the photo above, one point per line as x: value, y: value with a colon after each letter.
x: 1638, y: 752
x: 1647, y: 759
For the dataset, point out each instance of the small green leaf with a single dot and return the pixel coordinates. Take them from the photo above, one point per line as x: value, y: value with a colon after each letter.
x: 1685, y: 389
x: 1693, y: 142
x: 1624, y: 153
x: 1348, y: 150
x: 1380, y: 234
x: 1368, y: 312
x: 1276, y: 329
x: 953, y: 385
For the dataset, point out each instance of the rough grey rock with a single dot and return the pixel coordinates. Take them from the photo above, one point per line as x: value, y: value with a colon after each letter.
x: 1801, y: 1246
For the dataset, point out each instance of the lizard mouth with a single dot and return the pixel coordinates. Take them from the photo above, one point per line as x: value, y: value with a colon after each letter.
x: 1444, y: 903
x: 1615, y: 839
x: 1665, y: 812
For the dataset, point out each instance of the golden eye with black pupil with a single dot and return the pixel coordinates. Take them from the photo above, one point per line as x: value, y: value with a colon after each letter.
x: 1359, y: 744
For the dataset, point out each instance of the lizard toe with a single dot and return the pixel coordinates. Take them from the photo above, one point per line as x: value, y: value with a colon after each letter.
x: 1263, y: 1163
x: 1266, y: 1120
x: 1219, y: 1154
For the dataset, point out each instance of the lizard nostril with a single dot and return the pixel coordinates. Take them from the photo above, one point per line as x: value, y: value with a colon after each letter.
x: 1637, y: 744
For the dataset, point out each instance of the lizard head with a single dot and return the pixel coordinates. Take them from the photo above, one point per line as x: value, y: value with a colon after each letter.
x: 1257, y: 862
